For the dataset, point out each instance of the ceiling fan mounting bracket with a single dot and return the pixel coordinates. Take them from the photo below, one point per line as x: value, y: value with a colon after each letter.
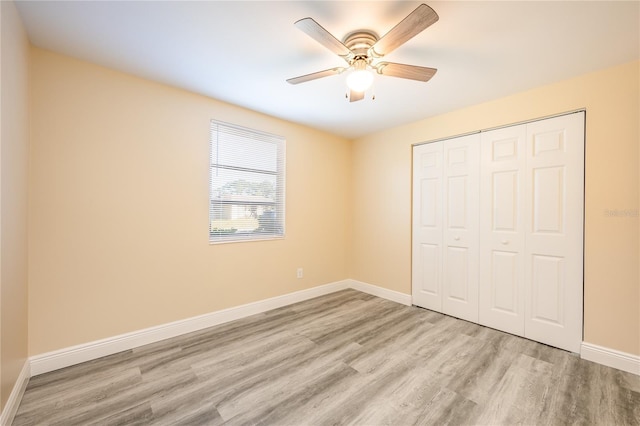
x: 380, y: 67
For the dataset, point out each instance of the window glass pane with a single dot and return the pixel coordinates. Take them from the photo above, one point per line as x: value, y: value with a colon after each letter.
x: 246, y: 192
x: 242, y: 185
x: 248, y: 220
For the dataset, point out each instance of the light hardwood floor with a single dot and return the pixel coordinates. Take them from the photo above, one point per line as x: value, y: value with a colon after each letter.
x: 344, y: 358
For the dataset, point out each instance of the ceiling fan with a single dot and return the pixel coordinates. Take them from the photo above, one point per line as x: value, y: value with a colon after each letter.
x: 362, y: 50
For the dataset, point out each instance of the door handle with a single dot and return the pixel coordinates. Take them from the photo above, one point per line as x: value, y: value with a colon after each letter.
x: 456, y: 238
x: 504, y: 242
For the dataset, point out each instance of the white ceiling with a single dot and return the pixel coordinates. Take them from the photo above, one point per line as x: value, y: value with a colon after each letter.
x: 242, y: 52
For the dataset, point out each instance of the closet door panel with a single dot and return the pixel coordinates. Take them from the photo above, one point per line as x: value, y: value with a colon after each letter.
x: 504, y: 297
x: 427, y: 226
x: 457, y: 273
x: 429, y: 264
x: 554, y: 231
x: 501, y: 287
x: 498, y: 229
x: 460, y: 236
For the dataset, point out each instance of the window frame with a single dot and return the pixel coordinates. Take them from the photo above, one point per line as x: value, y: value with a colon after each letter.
x: 217, y: 127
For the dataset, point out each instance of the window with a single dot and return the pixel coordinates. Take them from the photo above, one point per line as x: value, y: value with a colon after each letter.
x: 246, y: 184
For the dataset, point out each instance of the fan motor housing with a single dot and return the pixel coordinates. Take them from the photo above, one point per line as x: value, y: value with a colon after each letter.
x: 359, y: 42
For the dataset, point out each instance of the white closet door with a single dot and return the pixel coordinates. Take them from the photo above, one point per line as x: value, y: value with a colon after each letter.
x: 502, y: 294
x: 554, y: 231
x: 427, y: 226
x: 460, y: 227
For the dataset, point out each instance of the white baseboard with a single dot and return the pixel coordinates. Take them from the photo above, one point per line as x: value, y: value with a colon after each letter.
x: 385, y: 293
x: 55, y: 360
x: 11, y: 407
x: 611, y: 358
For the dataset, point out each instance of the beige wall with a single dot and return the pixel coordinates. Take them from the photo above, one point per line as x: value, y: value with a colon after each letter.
x: 119, y: 207
x: 381, y: 187
x: 14, y: 143
x: 118, y: 203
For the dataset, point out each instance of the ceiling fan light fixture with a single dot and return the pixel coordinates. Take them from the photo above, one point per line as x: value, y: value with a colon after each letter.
x: 360, y: 80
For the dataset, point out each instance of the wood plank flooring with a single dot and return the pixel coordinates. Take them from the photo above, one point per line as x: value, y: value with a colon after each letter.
x: 347, y: 358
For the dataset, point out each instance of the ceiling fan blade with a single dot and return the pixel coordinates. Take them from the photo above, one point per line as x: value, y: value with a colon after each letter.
x: 411, y: 72
x: 322, y: 36
x: 315, y: 75
x: 355, y: 96
x: 416, y: 22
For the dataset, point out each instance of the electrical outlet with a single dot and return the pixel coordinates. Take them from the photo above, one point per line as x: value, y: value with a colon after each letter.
x: 299, y: 273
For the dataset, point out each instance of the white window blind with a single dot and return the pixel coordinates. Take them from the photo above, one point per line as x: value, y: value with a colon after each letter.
x: 246, y: 195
